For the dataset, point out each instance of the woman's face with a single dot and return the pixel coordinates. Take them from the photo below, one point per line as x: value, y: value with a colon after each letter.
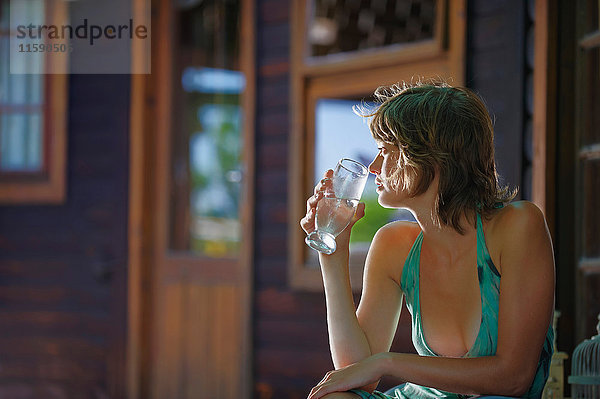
x: 383, y: 167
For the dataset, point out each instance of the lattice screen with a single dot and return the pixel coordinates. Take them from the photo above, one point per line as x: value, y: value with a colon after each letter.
x: 339, y: 26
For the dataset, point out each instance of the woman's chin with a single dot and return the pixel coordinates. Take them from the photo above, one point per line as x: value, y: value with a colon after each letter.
x: 388, y: 200
x: 384, y: 202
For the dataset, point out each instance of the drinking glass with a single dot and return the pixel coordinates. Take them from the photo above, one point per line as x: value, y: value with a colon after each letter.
x: 336, y: 209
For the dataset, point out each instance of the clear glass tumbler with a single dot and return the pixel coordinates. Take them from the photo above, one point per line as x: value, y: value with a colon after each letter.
x: 336, y: 209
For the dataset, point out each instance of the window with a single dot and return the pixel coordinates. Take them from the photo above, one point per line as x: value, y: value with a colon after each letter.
x: 32, y: 120
x: 341, y: 52
x: 340, y: 133
x: 206, y: 171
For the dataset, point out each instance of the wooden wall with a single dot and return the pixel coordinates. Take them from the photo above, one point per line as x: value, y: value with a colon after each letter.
x: 496, y: 69
x: 289, y: 331
x: 291, y: 352
x: 62, y: 267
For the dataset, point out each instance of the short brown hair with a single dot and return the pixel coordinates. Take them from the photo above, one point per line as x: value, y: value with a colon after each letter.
x: 443, y: 129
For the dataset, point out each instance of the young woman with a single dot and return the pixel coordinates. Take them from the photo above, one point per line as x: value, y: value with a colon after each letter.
x: 477, y: 272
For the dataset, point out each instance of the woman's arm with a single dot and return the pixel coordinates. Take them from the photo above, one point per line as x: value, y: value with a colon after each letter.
x: 351, y: 340
x: 525, y: 311
x: 355, y: 335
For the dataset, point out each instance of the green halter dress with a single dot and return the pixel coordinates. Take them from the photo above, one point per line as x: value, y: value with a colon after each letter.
x: 487, y: 338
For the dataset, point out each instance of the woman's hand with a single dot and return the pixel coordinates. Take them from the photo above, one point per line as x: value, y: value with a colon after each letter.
x: 323, y: 188
x: 353, y: 376
x: 308, y: 221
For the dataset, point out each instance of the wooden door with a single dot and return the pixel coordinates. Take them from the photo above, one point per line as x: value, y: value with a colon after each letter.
x: 190, y: 315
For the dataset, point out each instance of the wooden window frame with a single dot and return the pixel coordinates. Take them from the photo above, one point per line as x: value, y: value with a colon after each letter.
x: 351, y: 75
x: 49, y: 185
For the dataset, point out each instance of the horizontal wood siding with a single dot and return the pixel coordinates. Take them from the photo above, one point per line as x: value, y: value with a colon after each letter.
x: 63, y: 267
x: 290, y: 337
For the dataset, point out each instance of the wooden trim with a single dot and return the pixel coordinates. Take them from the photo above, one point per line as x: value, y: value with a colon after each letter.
x: 457, y: 38
x: 391, y: 55
x: 136, y: 295
x: 297, y: 272
x: 545, y: 102
x: 163, y: 74
x: 246, y: 261
x: 357, y: 83
x: 355, y: 75
x: 136, y: 187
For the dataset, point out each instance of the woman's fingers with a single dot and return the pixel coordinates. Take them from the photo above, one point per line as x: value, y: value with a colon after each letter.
x: 358, y: 214
x: 322, y: 388
x: 360, y: 211
x: 312, y: 201
x: 319, y: 391
x: 325, y: 183
x: 308, y: 222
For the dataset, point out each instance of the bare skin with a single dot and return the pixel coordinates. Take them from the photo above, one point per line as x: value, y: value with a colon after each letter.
x: 519, y: 244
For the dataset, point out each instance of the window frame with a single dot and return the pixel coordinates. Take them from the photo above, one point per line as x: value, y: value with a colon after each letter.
x: 355, y: 74
x: 47, y: 186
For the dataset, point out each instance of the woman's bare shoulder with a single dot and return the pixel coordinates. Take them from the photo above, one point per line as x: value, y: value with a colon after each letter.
x: 391, y: 246
x: 515, y: 216
x: 514, y: 225
x: 398, y: 233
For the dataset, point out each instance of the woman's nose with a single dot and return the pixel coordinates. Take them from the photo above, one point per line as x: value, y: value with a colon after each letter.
x: 375, y: 166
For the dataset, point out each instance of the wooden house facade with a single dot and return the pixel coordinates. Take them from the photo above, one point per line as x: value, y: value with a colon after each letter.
x: 166, y: 259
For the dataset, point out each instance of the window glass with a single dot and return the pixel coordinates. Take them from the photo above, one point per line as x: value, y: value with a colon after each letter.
x: 21, y: 107
x: 340, y: 133
x: 341, y: 26
x: 20, y: 143
x: 206, y: 167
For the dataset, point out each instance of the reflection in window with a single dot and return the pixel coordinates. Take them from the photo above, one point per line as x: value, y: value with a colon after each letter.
x: 350, y: 25
x: 206, y: 166
x: 215, y: 180
x: 21, y: 104
x: 340, y: 133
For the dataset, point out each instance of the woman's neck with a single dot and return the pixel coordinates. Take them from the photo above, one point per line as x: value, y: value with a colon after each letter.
x: 449, y: 243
